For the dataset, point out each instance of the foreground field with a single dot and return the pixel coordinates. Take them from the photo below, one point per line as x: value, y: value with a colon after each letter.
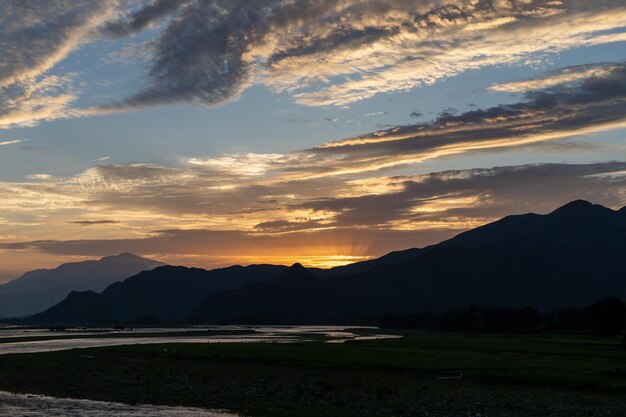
x: 419, y: 375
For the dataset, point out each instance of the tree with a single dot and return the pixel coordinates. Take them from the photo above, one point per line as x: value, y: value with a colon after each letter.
x: 606, y: 317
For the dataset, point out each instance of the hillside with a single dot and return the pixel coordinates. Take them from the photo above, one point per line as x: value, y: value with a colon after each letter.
x: 570, y: 257
x: 167, y: 292
x: 37, y: 290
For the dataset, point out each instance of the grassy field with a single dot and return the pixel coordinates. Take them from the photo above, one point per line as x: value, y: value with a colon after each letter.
x: 422, y: 374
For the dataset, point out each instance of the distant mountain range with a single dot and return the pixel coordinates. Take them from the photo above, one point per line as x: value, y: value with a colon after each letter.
x: 37, y: 290
x: 570, y: 257
x: 168, y: 292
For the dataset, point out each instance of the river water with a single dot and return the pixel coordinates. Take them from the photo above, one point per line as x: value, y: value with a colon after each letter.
x: 42, y: 406
x: 18, y: 405
x: 262, y: 334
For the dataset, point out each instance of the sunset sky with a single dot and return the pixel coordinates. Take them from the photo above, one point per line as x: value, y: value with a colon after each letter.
x: 214, y: 132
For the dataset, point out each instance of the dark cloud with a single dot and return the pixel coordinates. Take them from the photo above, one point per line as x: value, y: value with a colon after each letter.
x: 592, y: 103
x: 481, y: 193
x: 279, y: 226
x: 434, y: 206
x: 93, y: 222
x: 416, y: 114
x: 142, y: 18
x: 233, y: 244
x: 447, y: 112
x: 199, y: 56
x: 209, y: 49
x: 424, y: 209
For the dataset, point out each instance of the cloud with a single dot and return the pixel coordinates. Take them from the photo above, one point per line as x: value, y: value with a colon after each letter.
x: 46, y: 98
x: 311, y: 218
x: 219, y: 248
x: 244, y: 190
x: 559, y: 77
x: 421, y: 49
x: 467, y: 198
x: 93, y: 222
x: 101, y: 159
x: 38, y: 34
x: 322, y: 52
x: 34, y: 37
x: 589, y: 105
x: 335, y: 52
x: 10, y: 142
x: 142, y: 18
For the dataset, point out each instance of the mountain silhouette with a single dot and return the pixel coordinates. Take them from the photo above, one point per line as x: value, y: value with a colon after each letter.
x: 167, y: 292
x: 570, y: 257
x: 37, y: 290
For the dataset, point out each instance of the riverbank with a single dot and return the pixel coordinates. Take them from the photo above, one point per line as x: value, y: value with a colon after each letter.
x: 418, y: 375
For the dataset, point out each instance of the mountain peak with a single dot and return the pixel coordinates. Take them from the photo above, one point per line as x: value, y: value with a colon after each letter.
x: 130, y: 257
x: 297, y: 267
x: 579, y: 207
x: 123, y: 255
x: 36, y: 290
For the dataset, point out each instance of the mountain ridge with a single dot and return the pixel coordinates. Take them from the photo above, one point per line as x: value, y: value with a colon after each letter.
x: 35, y: 290
x: 571, y: 256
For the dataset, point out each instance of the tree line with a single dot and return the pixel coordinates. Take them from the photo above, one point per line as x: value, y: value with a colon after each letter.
x: 604, y: 318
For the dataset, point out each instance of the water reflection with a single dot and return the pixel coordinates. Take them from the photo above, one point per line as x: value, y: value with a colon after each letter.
x: 257, y: 334
x: 42, y: 406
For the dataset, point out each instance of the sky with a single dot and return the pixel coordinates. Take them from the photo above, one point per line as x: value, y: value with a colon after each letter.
x: 217, y: 132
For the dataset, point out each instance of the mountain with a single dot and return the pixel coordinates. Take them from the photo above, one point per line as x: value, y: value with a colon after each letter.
x: 390, y: 258
x: 167, y: 293
x: 37, y: 290
x: 570, y: 257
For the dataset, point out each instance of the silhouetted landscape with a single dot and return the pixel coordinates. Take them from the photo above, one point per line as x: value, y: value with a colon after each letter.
x: 523, y: 316
x: 37, y: 290
x: 572, y: 257
x: 313, y: 208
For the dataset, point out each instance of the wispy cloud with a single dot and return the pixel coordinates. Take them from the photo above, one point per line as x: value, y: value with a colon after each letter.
x: 322, y: 52
x: 35, y: 36
x: 10, y: 142
x: 308, y: 218
x: 559, y: 77
x: 46, y: 98
x: 592, y: 104
x: 336, y: 52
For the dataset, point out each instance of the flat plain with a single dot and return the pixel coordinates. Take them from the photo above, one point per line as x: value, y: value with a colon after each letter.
x: 421, y: 374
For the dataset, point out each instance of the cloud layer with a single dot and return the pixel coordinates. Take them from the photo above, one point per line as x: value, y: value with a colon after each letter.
x: 180, y: 213
x: 35, y: 36
x: 335, y: 52
x: 321, y: 52
x: 340, y: 198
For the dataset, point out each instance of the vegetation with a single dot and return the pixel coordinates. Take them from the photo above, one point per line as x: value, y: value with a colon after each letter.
x: 435, y: 374
x: 604, y: 318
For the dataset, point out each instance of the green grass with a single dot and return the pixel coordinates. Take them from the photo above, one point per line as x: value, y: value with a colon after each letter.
x: 502, y: 376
